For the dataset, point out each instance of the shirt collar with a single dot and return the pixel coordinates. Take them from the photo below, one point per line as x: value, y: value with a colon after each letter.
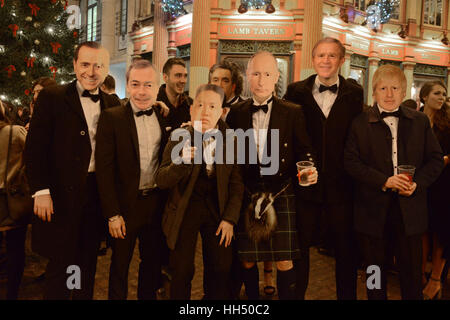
x: 231, y: 99
x: 317, y: 83
x: 264, y: 102
x: 136, y: 109
x: 380, y: 109
x: 80, y: 89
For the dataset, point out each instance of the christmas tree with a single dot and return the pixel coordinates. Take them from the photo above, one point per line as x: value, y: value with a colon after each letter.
x: 34, y: 42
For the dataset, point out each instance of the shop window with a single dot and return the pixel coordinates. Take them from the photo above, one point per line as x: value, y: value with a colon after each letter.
x: 93, y: 21
x: 146, y: 8
x: 123, y: 16
x: 395, y: 15
x: 432, y: 12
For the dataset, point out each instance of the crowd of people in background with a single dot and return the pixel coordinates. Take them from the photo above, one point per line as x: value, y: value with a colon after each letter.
x: 103, y: 167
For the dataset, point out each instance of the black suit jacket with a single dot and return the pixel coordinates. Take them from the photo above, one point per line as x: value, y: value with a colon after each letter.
x: 294, y: 143
x: 57, y: 156
x: 181, y: 179
x: 328, y: 137
x: 118, y: 160
x: 368, y: 159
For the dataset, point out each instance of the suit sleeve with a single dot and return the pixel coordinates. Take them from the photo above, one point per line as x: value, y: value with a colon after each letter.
x: 170, y: 174
x: 290, y: 94
x: 38, y: 143
x: 105, y: 165
x: 433, y: 160
x: 354, y: 165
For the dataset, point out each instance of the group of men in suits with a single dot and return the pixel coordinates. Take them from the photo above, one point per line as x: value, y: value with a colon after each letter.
x: 84, y: 149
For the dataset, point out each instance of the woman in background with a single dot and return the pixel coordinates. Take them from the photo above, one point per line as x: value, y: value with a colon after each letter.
x: 13, y: 232
x: 433, y: 95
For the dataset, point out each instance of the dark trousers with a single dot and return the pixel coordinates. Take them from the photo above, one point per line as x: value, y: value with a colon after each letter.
x: 143, y: 223
x: 407, y: 250
x: 341, y: 232
x: 217, y: 259
x: 82, y: 252
x: 15, y: 259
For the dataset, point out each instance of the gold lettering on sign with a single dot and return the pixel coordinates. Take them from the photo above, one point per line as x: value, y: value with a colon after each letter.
x: 256, y: 31
x: 237, y: 30
x: 430, y: 57
x: 268, y: 31
x: 391, y: 52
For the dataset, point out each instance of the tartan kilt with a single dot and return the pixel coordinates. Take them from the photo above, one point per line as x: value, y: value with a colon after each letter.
x: 283, y: 244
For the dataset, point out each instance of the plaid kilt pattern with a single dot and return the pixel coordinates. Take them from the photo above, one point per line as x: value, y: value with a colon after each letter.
x: 283, y: 245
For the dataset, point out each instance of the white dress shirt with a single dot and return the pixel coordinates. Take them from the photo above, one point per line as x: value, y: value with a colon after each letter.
x: 392, y: 123
x: 325, y: 99
x: 149, y: 138
x: 260, y: 123
x: 91, y: 112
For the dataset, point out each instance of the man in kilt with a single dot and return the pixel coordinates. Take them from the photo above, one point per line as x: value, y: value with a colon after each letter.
x: 279, y: 140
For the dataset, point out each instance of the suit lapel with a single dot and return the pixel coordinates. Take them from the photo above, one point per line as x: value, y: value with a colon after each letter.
x: 245, y: 116
x: 403, y: 131
x: 73, y: 100
x: 342, y: 92
x: 133, y: 130
x: 310, y: 101
x: 277, y: 121
x: 103, y: 98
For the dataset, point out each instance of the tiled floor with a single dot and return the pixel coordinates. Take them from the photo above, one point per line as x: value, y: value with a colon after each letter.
x: 321, y: 284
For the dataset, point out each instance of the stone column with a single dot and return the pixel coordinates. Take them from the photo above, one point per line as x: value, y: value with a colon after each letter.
x: 373, y: 66
x: 312, y: 32
x: 345, y: 69
x: 408, y: 70
x: 198, y: 73
x: 160, y: 38
x: 108, y: 39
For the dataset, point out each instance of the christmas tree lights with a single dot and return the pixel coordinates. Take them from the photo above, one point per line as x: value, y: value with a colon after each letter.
x: 34, y: 42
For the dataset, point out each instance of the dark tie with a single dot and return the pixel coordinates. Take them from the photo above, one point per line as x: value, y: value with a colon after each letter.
x: 390, y: 114
x: 332, y: 88
x: 94, y: 97
x: 263, y: 107
x: 144, y: 112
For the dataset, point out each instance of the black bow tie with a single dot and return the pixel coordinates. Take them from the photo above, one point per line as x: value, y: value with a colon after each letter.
x: 390, y: 114
x: 148, y: 112
x: 94, y: 97
x: 264, y: 107
x: 332, y: 88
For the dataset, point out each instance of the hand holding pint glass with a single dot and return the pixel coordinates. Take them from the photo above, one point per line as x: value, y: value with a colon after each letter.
x: 306, y: 173
x: 403, y: 180
x: 407, y: 170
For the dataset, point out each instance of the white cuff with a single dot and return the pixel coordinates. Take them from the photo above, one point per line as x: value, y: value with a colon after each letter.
x: 41, y: 193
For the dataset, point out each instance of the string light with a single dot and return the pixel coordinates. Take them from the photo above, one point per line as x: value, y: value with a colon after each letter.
x: 173, y: 8
x: 380, y: 12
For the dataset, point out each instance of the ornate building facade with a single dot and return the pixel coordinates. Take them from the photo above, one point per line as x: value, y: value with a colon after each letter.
x: 415, y: 37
